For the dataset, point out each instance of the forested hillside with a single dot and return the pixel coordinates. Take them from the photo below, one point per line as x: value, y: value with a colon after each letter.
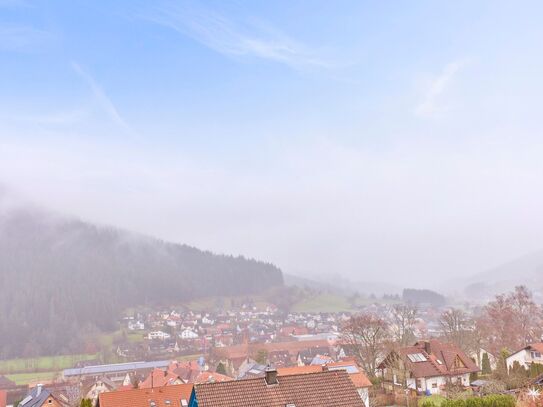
x: 60, y: 278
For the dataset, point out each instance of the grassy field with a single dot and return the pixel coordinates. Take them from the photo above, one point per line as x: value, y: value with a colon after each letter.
x: 43, y: 364
x: 323, y: 303
x: 25, y: 378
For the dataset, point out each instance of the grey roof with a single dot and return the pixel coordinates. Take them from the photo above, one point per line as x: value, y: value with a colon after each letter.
x: 119, y: 367
x: 36, y: 397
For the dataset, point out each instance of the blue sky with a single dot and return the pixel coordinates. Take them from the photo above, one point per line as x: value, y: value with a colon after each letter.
x: 356, y: 137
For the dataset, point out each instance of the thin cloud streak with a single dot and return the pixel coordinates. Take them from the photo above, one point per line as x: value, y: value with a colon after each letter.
x: 250, y: 38
x: 429, y: 107
x: 101, y: 97
x: 23, y: 38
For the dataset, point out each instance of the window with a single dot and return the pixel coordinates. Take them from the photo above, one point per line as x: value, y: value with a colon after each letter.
x: 434, y: 385
x: 536, y: 355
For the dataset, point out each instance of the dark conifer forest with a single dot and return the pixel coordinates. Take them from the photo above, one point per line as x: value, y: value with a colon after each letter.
x: 60, y: 278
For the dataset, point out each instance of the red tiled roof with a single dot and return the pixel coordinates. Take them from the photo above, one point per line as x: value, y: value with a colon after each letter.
x: 324, y: 389
x: 211, y: 377
x: 288, y: 371
x: 359, y: 379
x: 143, y: 397
x: 538, y: 347
x: 159, y: 378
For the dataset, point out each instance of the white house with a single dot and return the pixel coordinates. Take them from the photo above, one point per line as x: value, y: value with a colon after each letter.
x: 526, y: 356
x: 136, y: 326
x: 158, y: 335
x: 427, y: 367
x: 188, y: 334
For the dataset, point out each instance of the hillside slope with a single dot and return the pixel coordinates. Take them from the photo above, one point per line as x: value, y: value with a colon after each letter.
x: 62, y: 277
x: 525, y: 270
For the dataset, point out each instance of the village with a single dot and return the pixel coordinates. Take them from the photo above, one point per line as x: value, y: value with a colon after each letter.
x: 383, y: 354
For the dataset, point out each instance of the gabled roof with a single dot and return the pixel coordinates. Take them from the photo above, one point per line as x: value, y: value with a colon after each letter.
x: 143, y: 397
x: 37, y: 397
x: 159, y: 378
x: 5, y: 383
x: 538, y: 347
x: 437, y: 359
x: 324, y: 389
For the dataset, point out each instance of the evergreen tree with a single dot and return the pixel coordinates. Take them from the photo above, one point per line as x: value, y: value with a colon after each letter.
x: 221, y: 369
x: 485, y: 364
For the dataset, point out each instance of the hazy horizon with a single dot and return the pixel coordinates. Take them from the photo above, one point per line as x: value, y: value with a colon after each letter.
x: 395, y: 143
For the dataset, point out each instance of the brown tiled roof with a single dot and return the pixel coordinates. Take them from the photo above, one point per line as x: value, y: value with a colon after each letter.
x: 440, y: 359
x: 333, y: 388
x: 143, y: 397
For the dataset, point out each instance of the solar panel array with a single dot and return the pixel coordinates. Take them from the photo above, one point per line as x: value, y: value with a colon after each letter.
x: 119, y: 367
x: 417, y: 357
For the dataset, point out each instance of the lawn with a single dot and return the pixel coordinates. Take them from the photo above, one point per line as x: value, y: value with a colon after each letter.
x: 437, y: 400
x: 43, y: 364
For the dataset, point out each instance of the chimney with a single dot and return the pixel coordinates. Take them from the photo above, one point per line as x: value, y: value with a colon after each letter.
x: 271, y: 376
x: 427, y: 347
x: 38, y: 389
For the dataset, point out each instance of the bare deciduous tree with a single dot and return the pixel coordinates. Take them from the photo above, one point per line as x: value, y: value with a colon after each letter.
x: 404, y: 317
x: 367, y: 334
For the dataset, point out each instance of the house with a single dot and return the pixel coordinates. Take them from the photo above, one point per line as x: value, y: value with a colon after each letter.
x: 479, y: 355
x: 158, y: 335
x: 211, y: 377
x: 40, y: 397
x: 97, y: 387
x: 160, y: 378
x: 357, y: 376
x: 322, y: 389
x: 5, y: 383
x: 306, y: 356
x: 526, y: 356
x: 167, y: 396
x: 426, y: 367
x: 3, y: 398
x: 136, y: 326
x: 188, y: 334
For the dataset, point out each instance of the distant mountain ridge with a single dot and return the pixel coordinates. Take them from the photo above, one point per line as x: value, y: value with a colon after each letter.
x: 61, y: 277
x: 524, y: 270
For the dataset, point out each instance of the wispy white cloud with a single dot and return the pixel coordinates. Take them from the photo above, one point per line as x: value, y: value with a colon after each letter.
x: 238, y: 38
x: 101, y: 97
x: 429, y: 105
x: 23, y: 38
